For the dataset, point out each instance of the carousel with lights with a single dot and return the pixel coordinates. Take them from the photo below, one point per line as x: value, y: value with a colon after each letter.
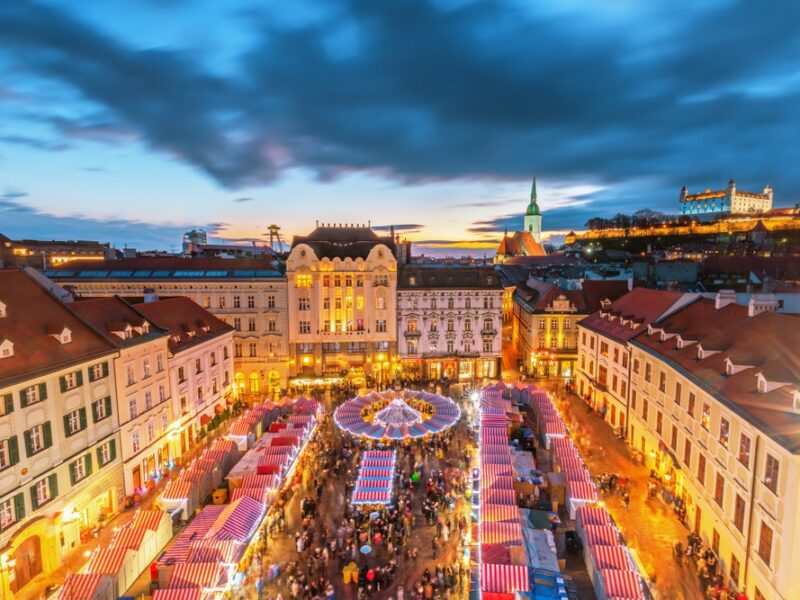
x: 393, y: 415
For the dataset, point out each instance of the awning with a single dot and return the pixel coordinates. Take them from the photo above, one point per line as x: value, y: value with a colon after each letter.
x: 196, y: 575
x: 591, y: 515
x: 149, y: 519
x: 622, y: 584
x: 80, y: 586
x: 129, y: 537
x: 602, y: 536
x: 108, y: 561
x: 500, y: 533
x: 177, y: 594
x: 238, y: 520
x: 610, y: 557
x: 504, y: 578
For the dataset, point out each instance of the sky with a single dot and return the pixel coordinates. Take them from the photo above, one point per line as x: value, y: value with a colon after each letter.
x: 131, y: 122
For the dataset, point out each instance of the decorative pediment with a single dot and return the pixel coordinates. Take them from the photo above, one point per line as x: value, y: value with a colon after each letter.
x: 6, y: 348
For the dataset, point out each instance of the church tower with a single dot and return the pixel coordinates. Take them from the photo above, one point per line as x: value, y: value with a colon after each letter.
x: 533, y: 218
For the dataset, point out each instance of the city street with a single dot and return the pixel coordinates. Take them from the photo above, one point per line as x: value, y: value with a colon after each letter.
x: 649, y: 526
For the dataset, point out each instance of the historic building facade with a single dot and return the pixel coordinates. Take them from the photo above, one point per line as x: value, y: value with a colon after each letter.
x: 729, y: 201
x: 449, y: 322
x: 60, y: 471
x: 342, y: 292
x: 544, y: 327
x: 249, y: 294
x: 143, y: 387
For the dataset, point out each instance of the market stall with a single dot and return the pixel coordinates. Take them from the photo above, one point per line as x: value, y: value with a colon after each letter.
x: 88, y: 586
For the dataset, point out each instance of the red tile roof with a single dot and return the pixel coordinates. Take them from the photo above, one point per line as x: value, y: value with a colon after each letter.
x: 32, y: 312
x: 185, y: 320
x: 640, y: 305
x: 111, y: 314
x: 768, y: 343
x: 538, y: 295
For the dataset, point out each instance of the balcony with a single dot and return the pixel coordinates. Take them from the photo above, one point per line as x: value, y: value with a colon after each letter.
x: 489, y: 332
x: 412, y: 334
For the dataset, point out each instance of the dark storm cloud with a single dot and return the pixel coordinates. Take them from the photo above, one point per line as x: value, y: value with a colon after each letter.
x: 418, y: 92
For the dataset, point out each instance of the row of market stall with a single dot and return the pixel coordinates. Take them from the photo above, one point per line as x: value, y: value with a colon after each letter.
x: 515, y: 560
x: 375, y: 477
x: 609, y: 561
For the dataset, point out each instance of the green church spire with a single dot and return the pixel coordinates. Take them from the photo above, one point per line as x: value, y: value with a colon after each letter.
x: 533, y: 207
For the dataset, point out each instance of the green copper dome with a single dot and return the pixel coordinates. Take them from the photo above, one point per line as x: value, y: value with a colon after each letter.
x: 533, y: 207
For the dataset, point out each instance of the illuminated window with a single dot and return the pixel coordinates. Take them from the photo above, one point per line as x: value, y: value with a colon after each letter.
x: 302, y: 280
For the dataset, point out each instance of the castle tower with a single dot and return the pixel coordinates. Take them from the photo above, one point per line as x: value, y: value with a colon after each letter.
x: 533, y: 218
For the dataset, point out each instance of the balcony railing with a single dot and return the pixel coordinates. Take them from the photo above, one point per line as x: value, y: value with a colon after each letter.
x: 488, y: 332
x: 412, y: 334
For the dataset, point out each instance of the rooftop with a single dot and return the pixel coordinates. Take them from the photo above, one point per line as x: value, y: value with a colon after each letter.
x: 631, y: 313
x: 536, y: 296
x: 188, y: 323
x: 766, y: 344
x: 46, y: 334
x: 118, y: 321
x: 447, y: 277
x: 168, y: 268
x: 344, y: 241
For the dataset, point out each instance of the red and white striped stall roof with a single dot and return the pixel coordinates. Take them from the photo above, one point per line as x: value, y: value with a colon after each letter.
x: 603, y: 536
x: 367, y: 497
x: 278, y: 450
x: 379, y: 454
x: 373, y: 483
x: 149, y: 519
x: 178, y: 551
x: 177, y: 594
x: 238, y: 520
x: 241, y: 428
x: 504, y: 578
x: 260, y: 481
x: 377, y: 462
x: 207, y: 551
x: 274, y: 460
x: 259, y: 494
x: 129, y: 537
x: 501, y: 533
x: 196, y: 575
x: 374, y: 472
x: 178, y: 490
x: 108, y: 560
x: 582, y: 490
x: 500, y: 482
x: 491, y: 513
x: 592, y: 515
x: 499, y: 496
x: 576, y: 473
x: 611, y: 557
x: 80, y: 586
x: 622, y: 584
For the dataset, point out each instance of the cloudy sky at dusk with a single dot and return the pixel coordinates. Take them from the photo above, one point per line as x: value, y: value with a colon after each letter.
x: 131, y: 121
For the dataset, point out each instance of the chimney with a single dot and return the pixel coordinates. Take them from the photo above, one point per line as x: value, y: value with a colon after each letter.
x: 150, y: 295
x: 724, y: 297
x: 760, y: 303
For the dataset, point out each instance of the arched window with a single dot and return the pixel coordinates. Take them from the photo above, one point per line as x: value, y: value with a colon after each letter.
x: 255, y: 382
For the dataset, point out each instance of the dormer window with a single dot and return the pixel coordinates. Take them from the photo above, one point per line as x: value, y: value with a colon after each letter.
x: 145, y: 327
x: 605, y: 303
x: 6, y: 348
x: 62, y: 334
x: 2, y: 310
x: 762, y: 384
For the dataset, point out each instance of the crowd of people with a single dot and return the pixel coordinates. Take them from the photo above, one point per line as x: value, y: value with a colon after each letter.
x: 370, y: 547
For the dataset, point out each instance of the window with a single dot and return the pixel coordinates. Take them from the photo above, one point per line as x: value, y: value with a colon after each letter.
x: 705, y: 419
x: 591, y: 343
x: 337, y: 281
x: 252, y: 348
x: 303, y: 280
x: 9, y: 452
x: 553, y: 324
x: 645, y: 409
x: 719, y: 489
x: 738, y: 513
x: 450, y: 304
x: 678, y: 393
x: 237, y: 302
x: 206, y: 302
x: 184, y: 405
x: 744, y: 450
x: 74, y: 422
x: 648, y: 372
x: 6, y: 404
x: 450, y: 347
x: 270, y: 301
x: 98, y: 371
x: 221, y: 302
x: 380, y: 326
x: 146, y: 368
x: 765, y: 543
x: 624, y: 360
x: 715, y: 541
x: 70, y: 381
x: 305, y: 326
x: 614, y: 382
x: 380, y: 301
x: 136, y: 443
x: 348, y: 281
x: 237, y: 323
x: 33, y: 394
x: 80, y: 469
x: 633, y: 399
x: 687, y: 452
x: 543, y: 325
x: 131, y: 375
x: 603, y: 348
x: 602, y: 375
x: 662, y: 381
x: 659, y: 422
x: 674, y: 438
x: 44, y: 491
x: 735, y: 570
x: 251, y: 302
x: 701, y: 469
x: 162, y: 393
x: 487, y: 345
x: 468, y: 303
x: 159, y: 363
x: 151, y: 431
x: 690, y: 405
x: 623, y: 388
x: 237, y: 350
x: 251, y: 324
x: 304, y: 303
x: 212, y: 358
x: 616, y: 354
x: 12, y: 511
x: 148, y: 400
x: 133, y: 408
x: 724, y: 431
x: 198, y: 366
x: 101, y: 409
x: 272, y: 325
x: 567, y: 324
x: 451, y: 325
x: 225, y: 353
x: 771, y: 473
x: 214, y: 386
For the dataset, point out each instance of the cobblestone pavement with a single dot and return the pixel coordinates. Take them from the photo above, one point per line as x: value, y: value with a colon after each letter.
x: 649, y: 526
